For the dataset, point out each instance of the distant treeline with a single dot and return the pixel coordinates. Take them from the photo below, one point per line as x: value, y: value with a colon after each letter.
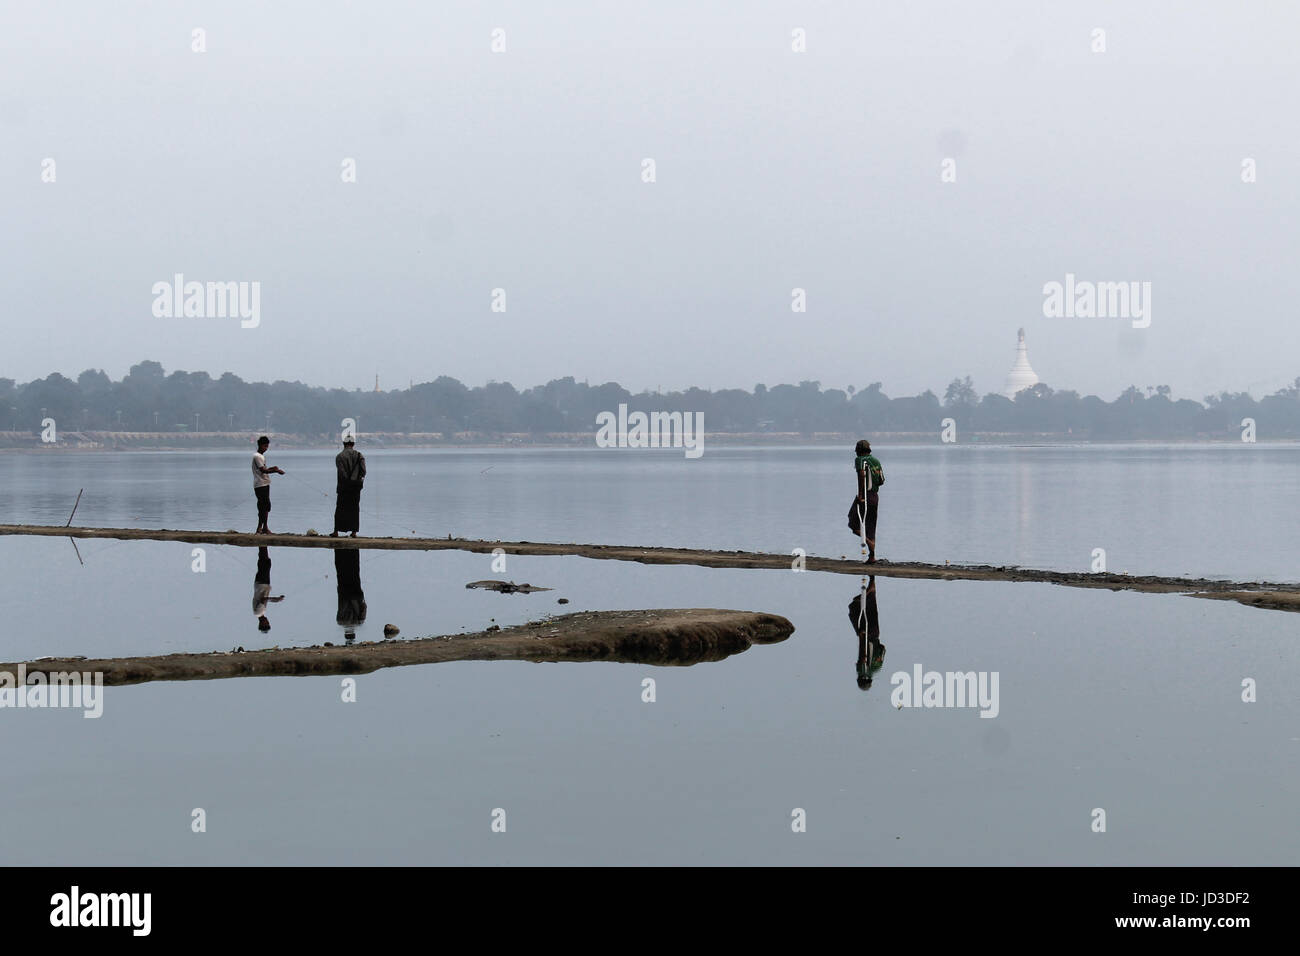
x: 149, y: 399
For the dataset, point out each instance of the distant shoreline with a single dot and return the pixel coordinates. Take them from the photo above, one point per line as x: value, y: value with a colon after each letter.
x: 217, y: 441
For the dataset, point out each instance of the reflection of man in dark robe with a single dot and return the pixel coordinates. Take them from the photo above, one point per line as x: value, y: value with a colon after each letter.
x: 352, y: 600
x: 866, y: 621
x: 262, y: 589
x: 351, y: 467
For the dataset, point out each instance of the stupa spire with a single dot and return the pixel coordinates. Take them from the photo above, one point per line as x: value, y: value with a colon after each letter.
x: 1021, y: 375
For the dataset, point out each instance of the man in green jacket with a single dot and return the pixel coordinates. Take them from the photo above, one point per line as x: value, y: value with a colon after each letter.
x: 870, y: 477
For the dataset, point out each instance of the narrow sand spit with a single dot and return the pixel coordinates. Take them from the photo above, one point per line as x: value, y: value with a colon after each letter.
x: 1253, y: 593
x: 1269, y: 600
x: 661, y: 637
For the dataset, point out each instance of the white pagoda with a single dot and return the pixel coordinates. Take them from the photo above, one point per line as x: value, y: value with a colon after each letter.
x: 1021, y: 375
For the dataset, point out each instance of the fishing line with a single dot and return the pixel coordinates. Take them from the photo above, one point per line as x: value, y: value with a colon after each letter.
x: 365, y: 511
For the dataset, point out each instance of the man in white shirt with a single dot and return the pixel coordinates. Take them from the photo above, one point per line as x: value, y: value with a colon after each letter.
x: 262, y: 484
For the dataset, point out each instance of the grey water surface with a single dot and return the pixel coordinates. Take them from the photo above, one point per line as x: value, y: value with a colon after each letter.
x: 1223, y: 509
x: 1125, y: 702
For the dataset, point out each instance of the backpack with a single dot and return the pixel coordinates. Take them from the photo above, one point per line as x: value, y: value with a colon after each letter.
x: 877, y: 475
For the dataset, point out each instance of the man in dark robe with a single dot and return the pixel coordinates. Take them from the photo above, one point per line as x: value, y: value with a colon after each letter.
x: 351, y: 467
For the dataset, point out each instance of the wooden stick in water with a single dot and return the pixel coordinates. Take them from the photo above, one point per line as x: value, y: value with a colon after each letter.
x: 74, y: 509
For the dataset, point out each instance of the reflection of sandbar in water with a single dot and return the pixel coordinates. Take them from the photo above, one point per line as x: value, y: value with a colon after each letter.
x: 1263, y: 594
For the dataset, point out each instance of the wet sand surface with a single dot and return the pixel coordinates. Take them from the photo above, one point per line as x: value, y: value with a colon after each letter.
x: 1262, y: 594
x: 660, y: 637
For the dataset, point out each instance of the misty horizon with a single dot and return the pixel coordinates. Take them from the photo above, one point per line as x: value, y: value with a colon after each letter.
x: 150, y: 399
x: 917, y: 174
x: 937, y: 389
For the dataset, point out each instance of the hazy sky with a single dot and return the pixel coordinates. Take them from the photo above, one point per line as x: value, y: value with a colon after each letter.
x: 522, y: 170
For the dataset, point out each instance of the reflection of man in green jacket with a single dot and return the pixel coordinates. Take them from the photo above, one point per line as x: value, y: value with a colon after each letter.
x: 351, y: 466
x: 866, y: 621
x: 870, y: 477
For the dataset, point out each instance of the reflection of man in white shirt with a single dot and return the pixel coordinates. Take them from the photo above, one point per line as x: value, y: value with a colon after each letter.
x: 262, y: 589
x: 262, y: 484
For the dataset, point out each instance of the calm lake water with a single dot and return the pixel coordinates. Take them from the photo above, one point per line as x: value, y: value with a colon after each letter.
x: 1207, y: 510
x: 1127, y: 702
